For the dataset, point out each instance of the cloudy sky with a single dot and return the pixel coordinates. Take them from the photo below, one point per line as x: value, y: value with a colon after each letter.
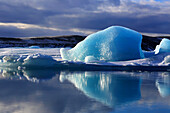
x: 27, y: 18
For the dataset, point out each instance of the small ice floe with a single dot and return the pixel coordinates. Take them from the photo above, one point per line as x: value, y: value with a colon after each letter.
x: 29, y: 61
x: 38, y: 60
x: 34, y: 47
x: 166, y: 60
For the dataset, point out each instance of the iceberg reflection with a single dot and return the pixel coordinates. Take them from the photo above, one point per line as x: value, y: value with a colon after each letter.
x: 163, y: 84
x: 110, y: 88
x: 103, y: 91
x: 28, y: 74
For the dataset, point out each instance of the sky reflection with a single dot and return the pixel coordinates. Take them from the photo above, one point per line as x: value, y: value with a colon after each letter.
x: 54, y: 91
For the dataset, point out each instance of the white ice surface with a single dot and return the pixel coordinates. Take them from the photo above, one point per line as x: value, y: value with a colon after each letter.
x: 54, y: 52
x: 51, y: 57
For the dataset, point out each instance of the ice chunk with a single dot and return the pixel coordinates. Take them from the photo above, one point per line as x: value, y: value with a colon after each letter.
x: 11, y: 58
x: 28, y: 61
x: 115, y: 43
x: 163, y: 47
x: 38, y: 61
x: 166, y: 60
x: 34, y: 47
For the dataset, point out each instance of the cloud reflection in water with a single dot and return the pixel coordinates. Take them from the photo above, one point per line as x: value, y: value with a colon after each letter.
x: 56, y: 91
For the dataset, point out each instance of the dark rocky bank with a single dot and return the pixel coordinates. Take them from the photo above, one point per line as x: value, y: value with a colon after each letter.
x: 148, y: 42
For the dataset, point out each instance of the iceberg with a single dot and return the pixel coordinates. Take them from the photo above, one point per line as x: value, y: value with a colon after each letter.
x: 163, y: 47
x: 115, y: 43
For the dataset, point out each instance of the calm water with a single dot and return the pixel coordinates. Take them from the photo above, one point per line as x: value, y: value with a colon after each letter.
x: 51, y: 91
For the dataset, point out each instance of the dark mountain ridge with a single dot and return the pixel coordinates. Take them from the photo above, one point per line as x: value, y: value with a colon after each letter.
x: 148, y: 42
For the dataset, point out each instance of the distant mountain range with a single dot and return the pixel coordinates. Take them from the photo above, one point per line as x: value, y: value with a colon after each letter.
x: 148, y: 42
x: 56, y: 41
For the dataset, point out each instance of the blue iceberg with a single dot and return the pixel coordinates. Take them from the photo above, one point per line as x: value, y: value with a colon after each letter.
x: 163, y: 47
x: 115, y: 43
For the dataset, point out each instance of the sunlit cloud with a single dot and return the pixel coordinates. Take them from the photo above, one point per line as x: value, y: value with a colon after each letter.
x: 27, y: 26
x: 85, y: 31
x: 31, y: 28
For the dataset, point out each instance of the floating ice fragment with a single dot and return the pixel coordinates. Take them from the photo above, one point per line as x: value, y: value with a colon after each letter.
x: 34, y: 47
x: 166, y: 60
x: 38, y: 61
x: 115, y: 43
x: 28, y: 61
x: 10, y: 58
x: 163, y: 47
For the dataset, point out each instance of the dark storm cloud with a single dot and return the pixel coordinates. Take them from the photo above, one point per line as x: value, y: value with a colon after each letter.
x: 143, y: 16
x: 150, y: 24
x: 22, y: 14
x: 36, y: 11
x: 61, y: 5
x: 116, y: 2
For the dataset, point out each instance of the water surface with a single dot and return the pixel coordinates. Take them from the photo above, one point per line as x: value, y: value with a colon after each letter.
x: 42, y: 91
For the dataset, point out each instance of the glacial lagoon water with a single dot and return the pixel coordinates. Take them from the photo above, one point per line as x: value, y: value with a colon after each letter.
x: 52, y: 91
